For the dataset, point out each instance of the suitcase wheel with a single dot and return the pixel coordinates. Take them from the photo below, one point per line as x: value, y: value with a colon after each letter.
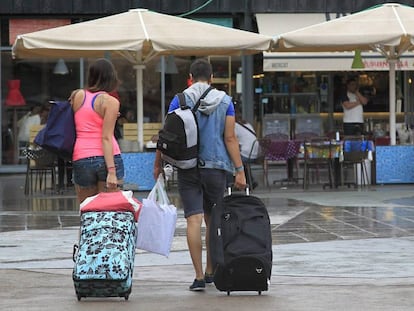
x: 126, y: 295
x: 260, y: 292
x: 228, y: 293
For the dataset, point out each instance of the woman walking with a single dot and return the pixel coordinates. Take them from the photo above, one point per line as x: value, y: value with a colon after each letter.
x: 97, y: 162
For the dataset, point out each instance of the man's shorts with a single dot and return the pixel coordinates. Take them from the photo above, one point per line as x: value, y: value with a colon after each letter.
x: 88, y: 171
x: 200, y: 189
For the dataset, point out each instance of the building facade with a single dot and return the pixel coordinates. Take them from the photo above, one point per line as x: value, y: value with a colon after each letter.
x: 312, y: 87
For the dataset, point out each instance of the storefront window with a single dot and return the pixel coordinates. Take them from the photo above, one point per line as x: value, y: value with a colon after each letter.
x: 373, y: 85
x: 39, y: 84
x: 294, y: 93
x: 309, y: 91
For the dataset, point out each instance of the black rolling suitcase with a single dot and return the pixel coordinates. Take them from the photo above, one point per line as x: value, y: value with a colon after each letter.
x: 241, y: 244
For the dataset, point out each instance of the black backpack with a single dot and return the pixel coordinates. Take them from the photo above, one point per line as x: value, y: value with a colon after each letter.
x: 178, y: 140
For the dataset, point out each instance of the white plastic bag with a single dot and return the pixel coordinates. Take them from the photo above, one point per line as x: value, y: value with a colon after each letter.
x: 157, y: 221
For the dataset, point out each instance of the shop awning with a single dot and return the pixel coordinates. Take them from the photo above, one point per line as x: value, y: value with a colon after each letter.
x: 273, y: 24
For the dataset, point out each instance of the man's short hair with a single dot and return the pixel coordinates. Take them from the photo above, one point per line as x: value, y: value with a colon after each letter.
x: 350, y: 80
x: 201, y: 70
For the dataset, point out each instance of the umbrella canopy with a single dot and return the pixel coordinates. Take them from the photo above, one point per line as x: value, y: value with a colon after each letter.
x: 386, y: 28
x: 139, y: 35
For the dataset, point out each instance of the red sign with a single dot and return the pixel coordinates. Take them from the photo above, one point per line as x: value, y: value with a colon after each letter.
x: 23, y: 25
x: 383, y: 64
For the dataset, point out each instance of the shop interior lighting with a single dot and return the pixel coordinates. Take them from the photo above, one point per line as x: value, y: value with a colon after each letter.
x: 61, y: 68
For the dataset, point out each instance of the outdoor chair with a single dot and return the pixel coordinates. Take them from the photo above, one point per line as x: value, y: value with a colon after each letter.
x: 317, y: 156
x: 255, y: 164
x: 40, y: 164
x: 299, y: 160
x: 355, y: 151
x: 277, y: 149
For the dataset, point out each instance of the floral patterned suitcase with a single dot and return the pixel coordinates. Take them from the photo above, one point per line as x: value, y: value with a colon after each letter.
x: 104, y: 259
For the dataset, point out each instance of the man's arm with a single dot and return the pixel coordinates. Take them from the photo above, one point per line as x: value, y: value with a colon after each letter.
x: 174, y: 104
x: 157, y: 164
x: 361, y: 100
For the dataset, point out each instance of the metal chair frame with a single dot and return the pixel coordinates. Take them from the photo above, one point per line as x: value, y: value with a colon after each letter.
x: 317, y: 153
x: 271, y: 156
x: 354, y: 158
x: 39, y: 163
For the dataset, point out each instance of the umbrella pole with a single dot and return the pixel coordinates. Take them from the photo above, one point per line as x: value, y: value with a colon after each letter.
x: 140, y: 106
x: 162, y: 88
x: 81, y: 73
x: 392, y: 63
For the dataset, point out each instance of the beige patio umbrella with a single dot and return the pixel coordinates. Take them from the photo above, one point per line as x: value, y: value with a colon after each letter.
x: 386, y: 28
x: 139, y: 35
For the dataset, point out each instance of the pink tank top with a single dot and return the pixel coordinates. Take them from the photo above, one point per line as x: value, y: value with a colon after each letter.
x: 89, y: 130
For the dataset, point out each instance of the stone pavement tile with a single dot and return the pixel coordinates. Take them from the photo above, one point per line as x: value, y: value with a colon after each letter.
x: 44, y: 291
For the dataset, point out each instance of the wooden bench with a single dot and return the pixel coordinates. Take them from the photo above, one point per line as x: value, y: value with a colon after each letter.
x: 130, y: 133
x: 34, y: 129
x: 150, y: 129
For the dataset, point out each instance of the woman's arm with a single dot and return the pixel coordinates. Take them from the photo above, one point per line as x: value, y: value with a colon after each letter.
x: 109, y: 110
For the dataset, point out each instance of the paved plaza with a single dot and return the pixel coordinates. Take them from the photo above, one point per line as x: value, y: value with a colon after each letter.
x: 342, y: 249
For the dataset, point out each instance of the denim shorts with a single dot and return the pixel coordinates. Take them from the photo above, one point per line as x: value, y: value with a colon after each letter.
x: 200, y: 189
x: 88, y: 171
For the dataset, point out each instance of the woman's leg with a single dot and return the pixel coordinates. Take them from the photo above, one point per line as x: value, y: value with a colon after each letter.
x: 83, y: 193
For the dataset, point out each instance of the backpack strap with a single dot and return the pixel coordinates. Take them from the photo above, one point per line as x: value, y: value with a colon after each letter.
x: 183, y: 103
x: 201, y: 97
x: 241, y: 124
x: 181, y: 100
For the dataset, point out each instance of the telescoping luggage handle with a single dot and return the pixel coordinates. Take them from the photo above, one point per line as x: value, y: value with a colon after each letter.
x: 229, y: 189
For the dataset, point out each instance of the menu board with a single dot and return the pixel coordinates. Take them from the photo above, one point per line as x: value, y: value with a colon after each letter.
x: 276, y: 123
x: 308, y: 123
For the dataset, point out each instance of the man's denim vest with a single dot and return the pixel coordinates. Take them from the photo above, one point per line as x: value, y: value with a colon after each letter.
x: 213, y: 152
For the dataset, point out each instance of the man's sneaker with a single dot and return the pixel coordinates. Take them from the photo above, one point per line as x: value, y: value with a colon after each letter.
x: 209, y: 278
x: 198, y: 285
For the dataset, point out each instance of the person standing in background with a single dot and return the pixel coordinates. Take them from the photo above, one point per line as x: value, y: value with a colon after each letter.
x: 97, y: 161
x: 352, y: 104
x: 44, y: 113
x: 25, y: 123
x: 127, y: 115
x: 249, y: 147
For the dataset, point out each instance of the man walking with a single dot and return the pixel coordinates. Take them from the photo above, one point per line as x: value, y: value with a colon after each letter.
x: 202, y: 187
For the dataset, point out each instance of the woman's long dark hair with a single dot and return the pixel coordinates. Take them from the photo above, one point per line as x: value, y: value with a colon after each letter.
x: 102, y: 76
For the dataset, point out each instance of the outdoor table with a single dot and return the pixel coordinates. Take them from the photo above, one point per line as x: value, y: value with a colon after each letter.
x: 283, y: 150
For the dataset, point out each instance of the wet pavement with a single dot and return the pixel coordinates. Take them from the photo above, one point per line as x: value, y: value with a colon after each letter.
x: 345, y: 249
x: 297, y: 216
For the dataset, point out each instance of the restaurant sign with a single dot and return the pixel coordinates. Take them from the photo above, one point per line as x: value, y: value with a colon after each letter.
x: 335, y: 61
